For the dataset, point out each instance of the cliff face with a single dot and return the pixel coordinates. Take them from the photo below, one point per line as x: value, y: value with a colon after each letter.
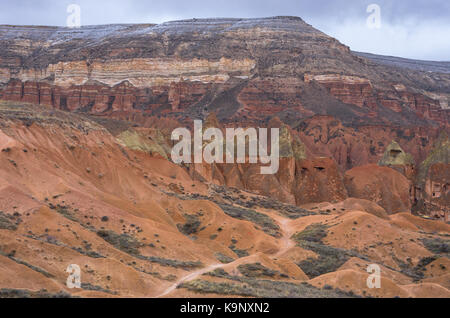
x: 257, y: 66
x: 432, y: 181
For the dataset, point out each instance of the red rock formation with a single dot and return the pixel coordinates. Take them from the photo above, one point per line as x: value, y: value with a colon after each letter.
x: 432, y: 195
x: 437, y: 189
x: 384, y: 186
x: 348, y: 89
x: 318, y: 180
x: 352, y: 147
x: 267, y: 185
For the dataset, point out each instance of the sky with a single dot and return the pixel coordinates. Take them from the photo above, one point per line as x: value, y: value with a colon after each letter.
x: 418, y: 29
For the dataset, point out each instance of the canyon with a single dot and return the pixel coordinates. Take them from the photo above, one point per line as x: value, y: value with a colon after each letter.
x: 86, y: 176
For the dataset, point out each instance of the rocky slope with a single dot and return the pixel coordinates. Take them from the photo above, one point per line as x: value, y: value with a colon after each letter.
x: 425, y: 66
x: 86, y: 176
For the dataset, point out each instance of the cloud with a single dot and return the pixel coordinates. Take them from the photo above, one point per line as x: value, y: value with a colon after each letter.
x: 421, y: 42
x: 410, y: 28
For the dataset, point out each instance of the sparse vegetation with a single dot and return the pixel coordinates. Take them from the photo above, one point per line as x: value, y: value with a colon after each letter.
x: 240, y: 253
x: 437, y: 246
x: 22, y: 293
x: 290, y: 211
x: 186, y: 265
x: 88, y: 286
x: 131, y: 245
x: 257, y: 270
x: 191, y: 226
x: 250, y: 287
x: 223, y: 258
x: 417, y: 272
x: 12, y: 257
x: 92, y: 254
x: 64, y: 211
x: 123, y: 242
x: 265, y: 222
x: 6, y: 222
x: 329, y: 258
x: 313, y: 233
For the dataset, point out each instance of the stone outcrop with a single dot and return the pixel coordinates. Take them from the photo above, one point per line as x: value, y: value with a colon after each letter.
x: 299, y: 180
x: 432, y: 186
x: 318, y: 180
x: 396, y: 158
x: 348, y: 89
x: 150, y: 141
x: 384, y: 186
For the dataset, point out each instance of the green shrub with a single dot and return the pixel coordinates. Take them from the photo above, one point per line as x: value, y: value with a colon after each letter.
x: 238, y: 252
x: 5, y: 222
x: 266, y: 223
x: 257, y: 270
x: 123, y: 242
x: 313, y: 233
x: 437, y: 245
x: 223, y: 258
x: 249, y: 287
x: 22, y: 293
x: 191, y: 226
x: 329, y: 258
x: 88, y: 286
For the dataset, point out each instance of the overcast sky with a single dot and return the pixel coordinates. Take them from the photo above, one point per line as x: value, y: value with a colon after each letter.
x: 409, y: 28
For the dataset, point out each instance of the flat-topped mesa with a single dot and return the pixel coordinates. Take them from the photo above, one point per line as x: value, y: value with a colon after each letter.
x: 244, y: 69
x: 205, y: 50
x: 209, y: 39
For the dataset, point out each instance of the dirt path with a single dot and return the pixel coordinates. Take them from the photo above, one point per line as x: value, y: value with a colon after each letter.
x: 188, y: 277
x: 287, y: 231
x: 286, y: 244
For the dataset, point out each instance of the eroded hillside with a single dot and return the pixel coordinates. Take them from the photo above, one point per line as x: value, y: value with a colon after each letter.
x: 71, y: 192
x: 86, y: 175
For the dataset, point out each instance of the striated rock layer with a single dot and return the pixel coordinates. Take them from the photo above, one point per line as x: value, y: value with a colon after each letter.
x: 257, y: 67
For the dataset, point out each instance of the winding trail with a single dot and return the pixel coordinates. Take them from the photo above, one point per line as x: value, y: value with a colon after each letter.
x: 287, y: 231
x: 286, y: 243
x: 189, y: 277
